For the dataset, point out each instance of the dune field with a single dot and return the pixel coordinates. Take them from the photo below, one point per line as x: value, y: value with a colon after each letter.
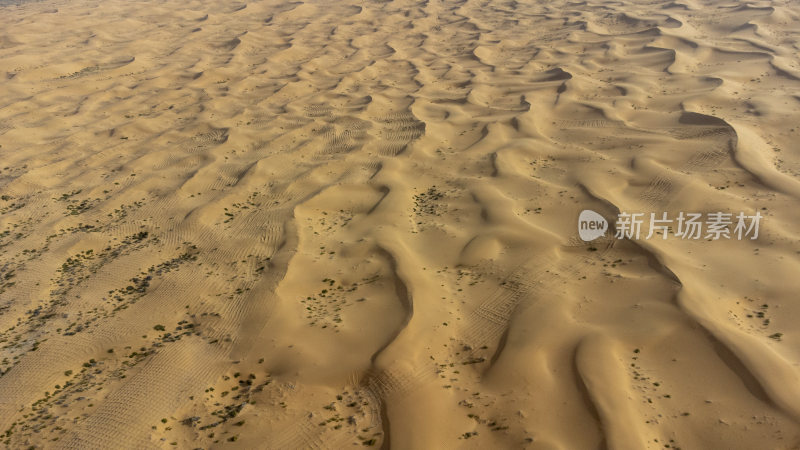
x: 348, y: 224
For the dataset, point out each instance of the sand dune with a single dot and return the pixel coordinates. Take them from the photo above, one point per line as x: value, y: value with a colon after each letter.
x: 321, y: 224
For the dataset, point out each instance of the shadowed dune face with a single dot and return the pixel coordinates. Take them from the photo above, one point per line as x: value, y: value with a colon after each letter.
x: 320, y: 224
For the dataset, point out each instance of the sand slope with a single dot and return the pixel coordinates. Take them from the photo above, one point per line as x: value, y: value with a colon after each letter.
x: 323, y: 224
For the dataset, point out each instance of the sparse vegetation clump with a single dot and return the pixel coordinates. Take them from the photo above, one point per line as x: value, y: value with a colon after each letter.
x: 325, y: 308
x: 428, y: 202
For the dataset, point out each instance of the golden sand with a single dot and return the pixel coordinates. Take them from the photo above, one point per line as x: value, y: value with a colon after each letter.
x: 336, y: 224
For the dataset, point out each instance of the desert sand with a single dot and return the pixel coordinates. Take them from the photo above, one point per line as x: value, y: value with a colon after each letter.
x: 341, y: 224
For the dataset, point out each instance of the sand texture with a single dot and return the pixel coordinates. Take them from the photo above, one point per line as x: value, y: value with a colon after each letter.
x: 340, y: 224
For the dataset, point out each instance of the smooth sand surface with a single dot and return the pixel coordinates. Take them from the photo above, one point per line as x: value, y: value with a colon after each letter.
x: 337, y: 224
